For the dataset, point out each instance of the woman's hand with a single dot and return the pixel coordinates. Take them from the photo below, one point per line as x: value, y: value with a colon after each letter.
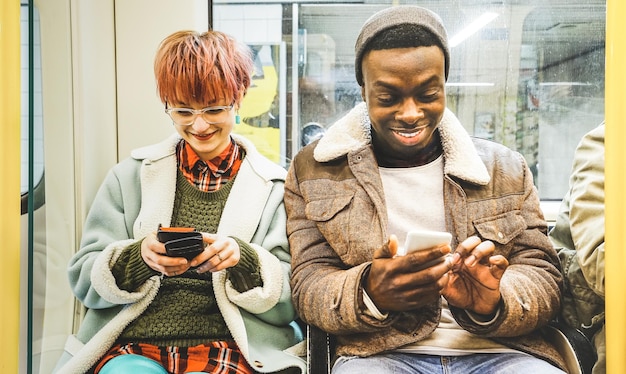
x: 220, y: 252
x: 154, y: 255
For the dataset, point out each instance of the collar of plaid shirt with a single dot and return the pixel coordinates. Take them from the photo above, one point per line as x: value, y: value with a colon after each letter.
x: 209, y: 176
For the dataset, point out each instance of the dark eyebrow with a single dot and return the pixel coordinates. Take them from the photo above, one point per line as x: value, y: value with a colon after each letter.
x: 434, y: 79
x: 381, y: 84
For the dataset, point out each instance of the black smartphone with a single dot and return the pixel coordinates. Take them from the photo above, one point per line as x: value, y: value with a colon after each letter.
x: 181, y: 241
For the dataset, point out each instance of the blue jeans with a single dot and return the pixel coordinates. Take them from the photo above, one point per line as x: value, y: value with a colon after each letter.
x: 407, y: 363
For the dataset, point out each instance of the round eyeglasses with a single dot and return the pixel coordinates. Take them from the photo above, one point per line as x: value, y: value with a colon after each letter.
x: 212, y: 115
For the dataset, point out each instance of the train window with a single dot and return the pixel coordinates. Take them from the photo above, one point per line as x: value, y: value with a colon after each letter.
x: 527, y: 74
x: 264, y: 107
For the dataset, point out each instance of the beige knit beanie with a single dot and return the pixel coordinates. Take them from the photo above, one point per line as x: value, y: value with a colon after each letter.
x: 394, y: 16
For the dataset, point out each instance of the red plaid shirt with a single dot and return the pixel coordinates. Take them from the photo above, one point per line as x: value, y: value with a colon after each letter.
x: 212, y: 175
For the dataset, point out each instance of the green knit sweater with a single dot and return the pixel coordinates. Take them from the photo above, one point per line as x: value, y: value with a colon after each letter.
x: 184, y: 312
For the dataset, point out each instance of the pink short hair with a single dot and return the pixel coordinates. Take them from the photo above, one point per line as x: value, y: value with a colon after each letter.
x: 202, y: 68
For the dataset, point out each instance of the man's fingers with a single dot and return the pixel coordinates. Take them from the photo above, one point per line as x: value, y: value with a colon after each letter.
x: 466, y: 246
x: 498, y: 266
x: 393, y: 245
x: 389, y: 249
x: 480, y: 253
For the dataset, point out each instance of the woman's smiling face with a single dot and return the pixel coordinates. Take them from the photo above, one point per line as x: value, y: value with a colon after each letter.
x: 404, y: 89
x: 207, y: 140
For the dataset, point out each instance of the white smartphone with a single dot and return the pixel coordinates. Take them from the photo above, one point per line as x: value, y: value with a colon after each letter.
x: 422, y: 239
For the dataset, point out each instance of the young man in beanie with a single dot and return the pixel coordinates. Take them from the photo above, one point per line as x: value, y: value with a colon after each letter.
x: 401, y: 161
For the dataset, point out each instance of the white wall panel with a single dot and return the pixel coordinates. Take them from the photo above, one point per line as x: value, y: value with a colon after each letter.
x: 141, y: 26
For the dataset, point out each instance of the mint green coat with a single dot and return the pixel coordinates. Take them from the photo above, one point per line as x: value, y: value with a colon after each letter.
x: 135, y: 197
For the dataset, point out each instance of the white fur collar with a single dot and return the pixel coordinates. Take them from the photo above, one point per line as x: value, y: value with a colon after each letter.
x: 352, y: 132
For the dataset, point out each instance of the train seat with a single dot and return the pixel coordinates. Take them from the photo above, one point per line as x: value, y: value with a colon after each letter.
x: 573, y: 346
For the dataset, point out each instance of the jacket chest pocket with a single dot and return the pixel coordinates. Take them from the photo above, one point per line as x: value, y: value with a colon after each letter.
x: 501, y: 229
x: 349, y: 225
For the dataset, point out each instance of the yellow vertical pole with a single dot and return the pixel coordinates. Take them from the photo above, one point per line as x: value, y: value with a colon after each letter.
x: 10, y: 185
x: 615, y: 183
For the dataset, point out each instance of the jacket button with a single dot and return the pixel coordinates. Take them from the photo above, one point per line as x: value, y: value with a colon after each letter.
x: 500, y: 235
x: 258, y: 364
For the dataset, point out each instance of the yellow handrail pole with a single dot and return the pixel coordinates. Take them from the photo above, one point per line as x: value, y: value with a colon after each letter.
x: 615, y: 182
x: 10, y: 185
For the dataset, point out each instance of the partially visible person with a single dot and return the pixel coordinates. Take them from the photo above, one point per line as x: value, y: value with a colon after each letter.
x: 402, y: 161
x: 578, y: 236
x: 227, y: 310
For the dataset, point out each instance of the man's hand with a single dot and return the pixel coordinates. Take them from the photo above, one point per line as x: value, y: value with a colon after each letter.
x: 474, y: 282
x: 397, y: 284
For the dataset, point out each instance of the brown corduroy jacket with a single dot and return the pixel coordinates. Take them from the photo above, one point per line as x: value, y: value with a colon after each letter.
x: 337, y: 218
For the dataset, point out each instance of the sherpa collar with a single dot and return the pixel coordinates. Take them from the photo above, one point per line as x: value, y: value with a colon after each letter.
x: 352, y: 132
